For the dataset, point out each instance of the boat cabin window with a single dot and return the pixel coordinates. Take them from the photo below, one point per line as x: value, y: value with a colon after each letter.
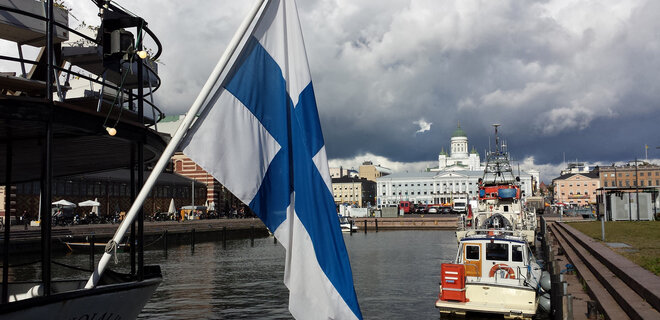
x: 497, y: 251
x: 506, y: 208
x: 472, y: 252
x: 517, y: 253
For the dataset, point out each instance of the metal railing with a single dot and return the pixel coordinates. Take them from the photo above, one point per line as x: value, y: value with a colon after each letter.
x: 67, y: 73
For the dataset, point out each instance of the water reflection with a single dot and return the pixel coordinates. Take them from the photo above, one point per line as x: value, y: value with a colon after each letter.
x: 396, y: 276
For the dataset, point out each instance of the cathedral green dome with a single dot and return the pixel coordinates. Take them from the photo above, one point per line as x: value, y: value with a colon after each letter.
x: 459, y: 132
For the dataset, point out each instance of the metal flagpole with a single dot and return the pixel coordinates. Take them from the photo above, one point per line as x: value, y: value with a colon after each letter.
x: 171, y: 147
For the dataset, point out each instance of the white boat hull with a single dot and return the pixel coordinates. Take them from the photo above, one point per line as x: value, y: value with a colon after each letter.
x: 512, y: 302
x: 108, y: 302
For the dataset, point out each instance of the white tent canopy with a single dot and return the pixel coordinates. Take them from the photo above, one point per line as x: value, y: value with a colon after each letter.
x: 64, y: 203
x: 89, y: 203
x: 172, y: 208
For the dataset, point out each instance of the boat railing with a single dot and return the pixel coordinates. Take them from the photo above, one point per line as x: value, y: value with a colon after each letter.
x: 23, y: 84
x: 462, y: 222
x: 490, y: 231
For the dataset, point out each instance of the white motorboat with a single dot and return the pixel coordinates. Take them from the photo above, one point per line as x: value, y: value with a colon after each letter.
x: 494, y: 272
x: 346, y: 225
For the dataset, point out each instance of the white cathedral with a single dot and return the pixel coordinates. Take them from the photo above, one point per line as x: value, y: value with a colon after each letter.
x: 456, y: 176
x: 459, y: 158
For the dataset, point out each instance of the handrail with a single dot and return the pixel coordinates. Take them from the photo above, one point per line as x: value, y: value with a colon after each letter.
x: 161, y: 115
x: 150, y: 70
x: 39, y: 17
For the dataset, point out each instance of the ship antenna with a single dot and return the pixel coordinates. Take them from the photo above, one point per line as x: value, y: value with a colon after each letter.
x: 497, y: 138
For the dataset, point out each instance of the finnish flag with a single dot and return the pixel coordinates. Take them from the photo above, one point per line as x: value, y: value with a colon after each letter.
x: 260, y: 136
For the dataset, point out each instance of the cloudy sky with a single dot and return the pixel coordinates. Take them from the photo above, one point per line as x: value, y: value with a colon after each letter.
x: 566, y: 79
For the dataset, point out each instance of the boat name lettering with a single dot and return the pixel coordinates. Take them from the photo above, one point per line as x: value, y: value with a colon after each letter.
x: 96, y: 316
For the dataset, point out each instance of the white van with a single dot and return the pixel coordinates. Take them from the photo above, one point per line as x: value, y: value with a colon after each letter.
x: 460, y: 205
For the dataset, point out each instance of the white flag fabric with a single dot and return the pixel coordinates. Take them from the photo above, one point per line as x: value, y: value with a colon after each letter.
x: 260, y: 136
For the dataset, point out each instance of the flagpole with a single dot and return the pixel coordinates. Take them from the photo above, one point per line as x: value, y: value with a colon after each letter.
x: 172, y: 145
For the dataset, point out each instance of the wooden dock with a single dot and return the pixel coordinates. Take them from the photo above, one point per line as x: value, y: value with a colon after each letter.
x: 616, y: 288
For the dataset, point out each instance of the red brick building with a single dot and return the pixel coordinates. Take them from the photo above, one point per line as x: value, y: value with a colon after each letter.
x: 216, y: 193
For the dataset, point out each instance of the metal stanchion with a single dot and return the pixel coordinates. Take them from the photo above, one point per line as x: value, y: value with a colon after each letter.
x: 165, y: 242
x: 224, y: 237
x: 192, y: 240
x: 91, y: 252
x: 252, y: 236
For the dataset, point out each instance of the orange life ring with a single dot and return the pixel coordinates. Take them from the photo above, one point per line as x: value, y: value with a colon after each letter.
x: 501, y: 266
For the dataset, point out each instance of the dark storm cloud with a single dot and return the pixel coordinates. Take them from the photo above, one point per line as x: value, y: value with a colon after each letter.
x: 571, y: 77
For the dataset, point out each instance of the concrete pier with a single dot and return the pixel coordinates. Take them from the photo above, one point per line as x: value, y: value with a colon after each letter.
x: 411, y: 222
x: 22, y: 240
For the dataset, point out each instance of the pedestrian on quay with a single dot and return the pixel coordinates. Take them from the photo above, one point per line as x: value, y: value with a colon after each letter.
x: 24, y: 219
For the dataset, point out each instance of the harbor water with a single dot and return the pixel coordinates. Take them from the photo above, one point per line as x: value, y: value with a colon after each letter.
x: 396, y: 276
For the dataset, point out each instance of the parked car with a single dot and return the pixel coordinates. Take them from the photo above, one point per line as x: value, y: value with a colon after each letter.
x: 432, y: 209
x: 63, y: 217
x: 445, y: 210
x: 163, y: 216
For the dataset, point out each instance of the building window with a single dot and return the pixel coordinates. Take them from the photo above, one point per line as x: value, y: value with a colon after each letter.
x: 605, y: 183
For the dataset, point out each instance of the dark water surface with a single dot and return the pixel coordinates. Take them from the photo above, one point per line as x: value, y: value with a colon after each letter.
x: 396, y: 277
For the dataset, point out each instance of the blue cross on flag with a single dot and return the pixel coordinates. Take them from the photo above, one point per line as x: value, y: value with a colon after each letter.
x: 260, y: 136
